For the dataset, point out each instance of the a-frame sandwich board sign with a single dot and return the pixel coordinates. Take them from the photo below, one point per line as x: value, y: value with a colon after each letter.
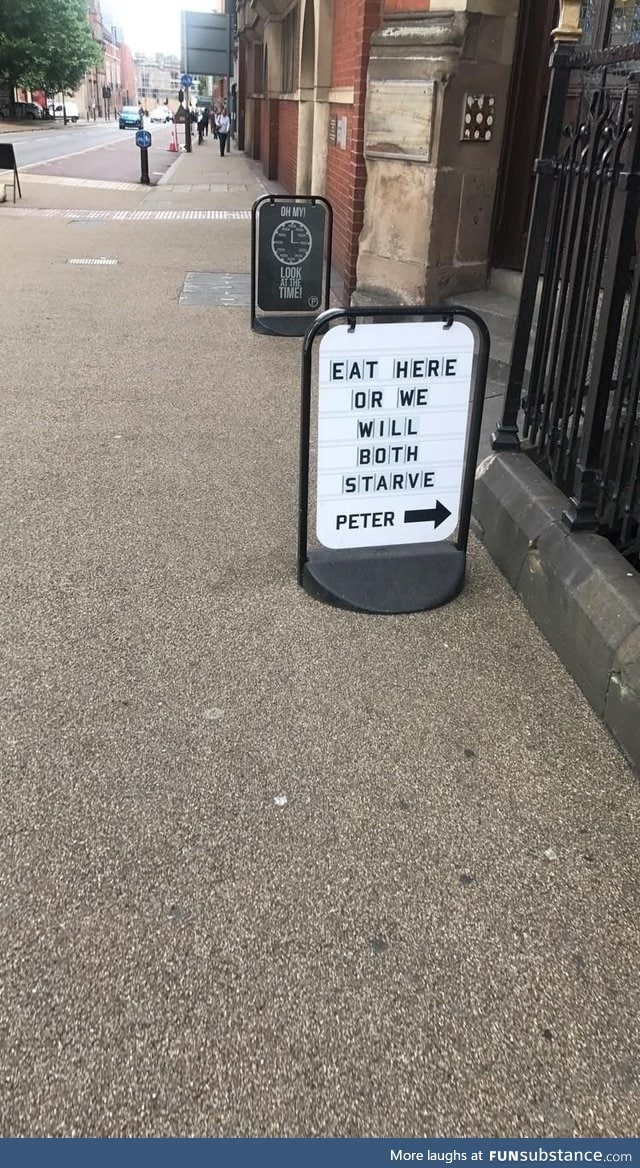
x: 400, y: 394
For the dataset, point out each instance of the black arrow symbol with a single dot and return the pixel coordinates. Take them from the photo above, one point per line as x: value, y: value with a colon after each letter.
x: 436, y: 515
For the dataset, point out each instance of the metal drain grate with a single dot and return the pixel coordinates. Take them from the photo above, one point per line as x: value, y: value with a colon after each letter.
x: 102, y: 260
x: 216, y: 289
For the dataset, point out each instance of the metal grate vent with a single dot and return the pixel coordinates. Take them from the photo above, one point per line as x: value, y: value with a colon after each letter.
x: 216, y: 289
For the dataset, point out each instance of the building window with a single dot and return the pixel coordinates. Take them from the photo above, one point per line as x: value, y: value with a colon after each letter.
x: 625, y: 23
x: 290, y: 52
x: 609, y: 22
x: 588, y: 15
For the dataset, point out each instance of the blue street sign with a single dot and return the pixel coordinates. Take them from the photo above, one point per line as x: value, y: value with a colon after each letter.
x: 186, y: 81
x: 143, y: 139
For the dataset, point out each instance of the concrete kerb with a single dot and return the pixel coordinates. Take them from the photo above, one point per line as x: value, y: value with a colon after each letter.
x: 581, y: 593
x: 168, y: 176
x: 24, y: 126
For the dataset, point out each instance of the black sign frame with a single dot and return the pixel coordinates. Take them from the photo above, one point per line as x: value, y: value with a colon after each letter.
x: 8, y: 162
x: 292, y: 322
x: 398, y: 578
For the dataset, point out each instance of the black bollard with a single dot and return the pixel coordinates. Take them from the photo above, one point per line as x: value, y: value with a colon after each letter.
x: 144, y: 165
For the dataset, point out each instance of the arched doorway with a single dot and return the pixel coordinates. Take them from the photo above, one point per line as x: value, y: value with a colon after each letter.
x: 527, y: 103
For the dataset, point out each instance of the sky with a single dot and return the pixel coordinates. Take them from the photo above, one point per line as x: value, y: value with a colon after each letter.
x: 152, y: 26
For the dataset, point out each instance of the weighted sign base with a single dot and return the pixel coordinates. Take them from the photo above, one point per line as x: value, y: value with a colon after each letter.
x: 282, y: 326
x: 409, y: 578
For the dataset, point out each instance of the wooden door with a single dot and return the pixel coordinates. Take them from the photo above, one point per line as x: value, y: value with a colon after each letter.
x: 523, y: 133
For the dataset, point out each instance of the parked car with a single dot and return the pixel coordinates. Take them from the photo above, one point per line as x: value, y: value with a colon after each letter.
x: 56, y: 111
x: 161, y: 113
x: 130, y: 118
x: 24, y: 109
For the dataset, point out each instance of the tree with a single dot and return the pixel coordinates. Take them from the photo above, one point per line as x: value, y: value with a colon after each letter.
x: 22, y: 50
x: 201, y: 85
x: 71, y: 47
x: 45, y: 44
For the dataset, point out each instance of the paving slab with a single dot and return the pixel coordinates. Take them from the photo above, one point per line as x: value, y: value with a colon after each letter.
x: 38, y: 192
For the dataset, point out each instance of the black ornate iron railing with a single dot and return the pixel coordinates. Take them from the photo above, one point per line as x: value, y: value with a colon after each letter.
x: 579, y: 313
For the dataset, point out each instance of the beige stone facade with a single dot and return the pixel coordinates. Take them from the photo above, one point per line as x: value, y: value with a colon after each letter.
x: 431, y: 185
x: 408, y: 117
x: 158, y: 80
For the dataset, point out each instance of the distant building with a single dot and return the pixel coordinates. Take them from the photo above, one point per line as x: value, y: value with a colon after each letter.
x: 112, y: 84
x: 128, y: 80
x: 157, y: 79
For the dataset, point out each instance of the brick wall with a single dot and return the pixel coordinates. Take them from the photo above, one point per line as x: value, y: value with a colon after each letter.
x: 265, y: 126
x: 391, y: 6
x: 287, y: 162
x: 347, y: 41
x: 256, y: 143
x: 242, y: 89
x: 354, y: 22
x: 338, y: 191
x: 269, y: 126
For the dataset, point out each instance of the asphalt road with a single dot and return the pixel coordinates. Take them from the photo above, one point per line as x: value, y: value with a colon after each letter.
x: 100, y: 151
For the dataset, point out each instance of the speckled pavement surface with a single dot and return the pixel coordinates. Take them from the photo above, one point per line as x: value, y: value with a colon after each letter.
x: 269, y: 868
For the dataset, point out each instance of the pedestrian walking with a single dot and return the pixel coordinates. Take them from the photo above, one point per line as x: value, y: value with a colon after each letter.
x: 224, y: 126
x: 214, y: 128
x: 205, y: 120
x: 200, y: 127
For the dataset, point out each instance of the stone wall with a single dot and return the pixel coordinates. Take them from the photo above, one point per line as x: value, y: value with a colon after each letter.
x: 436, y: 109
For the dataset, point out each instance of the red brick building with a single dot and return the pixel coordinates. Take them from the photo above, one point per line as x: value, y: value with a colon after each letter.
x: 418, y: 119
x: 127, y: 94
x: 302, y: 78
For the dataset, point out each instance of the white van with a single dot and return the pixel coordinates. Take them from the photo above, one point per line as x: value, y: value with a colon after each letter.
x: 70, y: 106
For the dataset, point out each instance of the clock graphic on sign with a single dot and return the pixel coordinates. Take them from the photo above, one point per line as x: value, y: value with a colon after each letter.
x: 291, y: 242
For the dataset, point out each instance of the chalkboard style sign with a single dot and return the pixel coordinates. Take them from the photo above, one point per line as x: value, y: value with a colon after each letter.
x: 290, y: 262
x: 8, y: 162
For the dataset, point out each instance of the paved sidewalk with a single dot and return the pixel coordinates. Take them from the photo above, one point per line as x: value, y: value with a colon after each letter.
x: 201, y: 180
x: 268, y: 868
x: 27, y: 125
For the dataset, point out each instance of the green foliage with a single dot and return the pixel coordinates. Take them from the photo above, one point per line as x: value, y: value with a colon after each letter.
x: 46, y: 44
x: 71, y: 47
x: 21, y: 47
